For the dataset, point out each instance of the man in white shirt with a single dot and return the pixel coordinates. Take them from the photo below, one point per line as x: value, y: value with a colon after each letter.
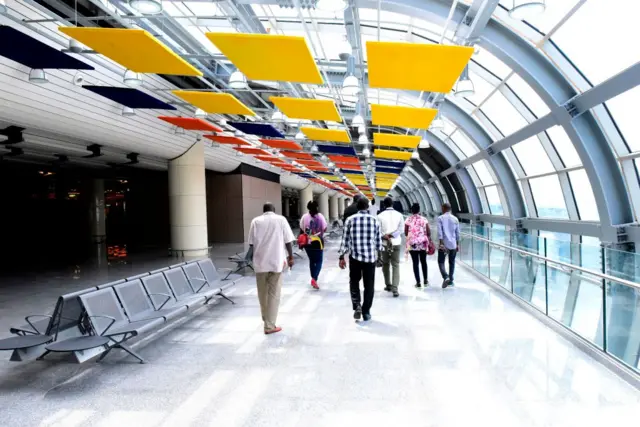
x: 269, y: 235
x: 373, y: 209
x: 391, y: 227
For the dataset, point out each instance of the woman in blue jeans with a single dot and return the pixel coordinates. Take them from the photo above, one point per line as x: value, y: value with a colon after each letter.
x: 314, y: 225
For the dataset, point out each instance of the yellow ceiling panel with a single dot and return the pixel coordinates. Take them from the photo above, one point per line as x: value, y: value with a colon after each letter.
x: 400, y: 116
x: 386, y: 176
x: 312, y: 109
x: 269, y: 56
x: 382, y: 193
x: 317, y: 134
x: 398, y: 141
x: 136, y: 50
x: 416, y: 66
x: 392, y: 154
x: 332, y: 178
x: 214, y: 103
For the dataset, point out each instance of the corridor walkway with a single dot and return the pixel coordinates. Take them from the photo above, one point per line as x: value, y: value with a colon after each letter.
x: 460, y: 357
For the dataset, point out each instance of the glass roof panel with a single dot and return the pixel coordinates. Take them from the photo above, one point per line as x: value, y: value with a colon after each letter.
x: 493, y: 197
x: 583, y: 193
x: 624, y: 110
x: 554, y: 12
x: 527, y: 95
x: 600, y: 57
x: 482, y: 169
x: 532, y: 157
x: 202, y: 9
x: 482, y: 88
x: 491, y: 63
x: 548, y: 197
x: 503, y: 114
x: 464, y: 143
x: 564, y: 146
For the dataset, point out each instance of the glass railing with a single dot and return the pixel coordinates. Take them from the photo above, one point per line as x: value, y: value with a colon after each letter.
x: 593, y: 291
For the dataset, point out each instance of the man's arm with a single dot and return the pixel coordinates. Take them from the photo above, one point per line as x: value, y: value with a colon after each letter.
x: 398, y: 230
x: 378, y: 235
x: 440, y: 231
x: 288, y: 239
x: 457, y: 235
x: 346, y: 238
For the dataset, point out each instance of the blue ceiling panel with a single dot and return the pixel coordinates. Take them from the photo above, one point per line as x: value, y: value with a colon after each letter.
x: 260, y: 129
x: 32, y: 53
x: 389, y: 170
x: 132, y: 98
x: 390, y: 164
x: 346, y: 150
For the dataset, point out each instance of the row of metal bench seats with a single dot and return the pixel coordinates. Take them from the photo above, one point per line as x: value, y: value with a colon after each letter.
x: 92, y: 321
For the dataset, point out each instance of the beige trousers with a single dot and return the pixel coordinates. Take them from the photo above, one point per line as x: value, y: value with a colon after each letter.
x: 269, y: 287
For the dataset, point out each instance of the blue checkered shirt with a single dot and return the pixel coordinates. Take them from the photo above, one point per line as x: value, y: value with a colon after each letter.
x: 361, y: 237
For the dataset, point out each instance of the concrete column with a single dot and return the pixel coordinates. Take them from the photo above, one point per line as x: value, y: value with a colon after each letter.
x: 323, y: 204
x: 333, y: 207
x: 285, y: 207
x: 188, y: 203
x: 306, y: 195
x: 341, y: 207
x: 98, y: 223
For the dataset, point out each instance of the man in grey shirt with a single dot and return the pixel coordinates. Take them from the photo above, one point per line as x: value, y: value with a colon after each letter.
x: 449, y: 235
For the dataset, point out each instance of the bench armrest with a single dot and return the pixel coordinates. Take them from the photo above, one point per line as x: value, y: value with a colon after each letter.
x: 204, y: 283
x: 168, y: 298
x: 35, y: 330
x: 113, y: 320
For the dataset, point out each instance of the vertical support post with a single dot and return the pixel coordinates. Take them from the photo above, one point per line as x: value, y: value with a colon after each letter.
x: 546, y: 280
x: 306, y: 195
x: 323, y: 204
x: 285, y: 207
x: 333, y: 208
x: 340, y: 207
x: 97, y: 206
x: 604, y: 300
x: 188, y: 203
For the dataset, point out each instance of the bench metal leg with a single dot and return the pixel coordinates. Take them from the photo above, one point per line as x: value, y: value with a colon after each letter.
x: 103, y: 355
x: 131, y: 352
x: 43, y: 355
x: 233, y: 272
x: 226, y: 297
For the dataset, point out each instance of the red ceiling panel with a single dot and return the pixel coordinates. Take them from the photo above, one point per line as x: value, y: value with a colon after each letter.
x: 349, y: 166
x: 294, y: 155
x: 282, y: 144
x: 344, y: 159
x: 190, y: 123
x: 232, y: 140
x: 251, y: 150
x: 310, y: 163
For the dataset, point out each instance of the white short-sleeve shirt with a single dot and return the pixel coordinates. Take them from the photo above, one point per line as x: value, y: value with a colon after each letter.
x: 269, y: 233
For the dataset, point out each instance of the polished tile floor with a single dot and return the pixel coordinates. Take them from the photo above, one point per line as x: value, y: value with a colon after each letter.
x: 455, y: 357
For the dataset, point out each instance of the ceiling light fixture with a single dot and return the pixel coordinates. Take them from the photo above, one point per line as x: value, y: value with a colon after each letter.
x: 179, y: 131
x: 146, y: 7
x: 366, y: 152
x: 314, y: 148
x: 363, y: 139
x: 238, y: 153
x: 132, y: 79
x: 237, y: 80
x: 361, y: 130
x: 74, y: 45
x: 424, y: 144
x: 238, y: 134
x: 523, y: 9
x: 200, y: 113
x: 415, y: 155
x: 437, y: 123
x: 292, y: 122
x: 38, y: 76
x: 299, y: 136
x: 128, y: 112
x: 464, y: 86
x: 278, y: 117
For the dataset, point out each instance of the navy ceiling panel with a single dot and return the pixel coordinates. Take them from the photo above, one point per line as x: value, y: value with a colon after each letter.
x: 260, y: 129
x: 353, y: 172
x: 390, y: 164
x: 389, y: 170
x: 132, y: 98
x: 346, y: 150
x: 32, y: 53
x: 305, y: 175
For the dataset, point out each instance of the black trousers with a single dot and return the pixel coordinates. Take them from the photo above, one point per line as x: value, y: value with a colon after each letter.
x: 367, y: 272
x: 420, y: 256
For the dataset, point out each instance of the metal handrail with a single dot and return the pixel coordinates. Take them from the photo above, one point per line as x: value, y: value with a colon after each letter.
x: 560, y: 263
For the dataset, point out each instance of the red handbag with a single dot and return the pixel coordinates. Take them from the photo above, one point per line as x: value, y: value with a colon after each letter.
x: 431, y: 248
x: 303, y: 240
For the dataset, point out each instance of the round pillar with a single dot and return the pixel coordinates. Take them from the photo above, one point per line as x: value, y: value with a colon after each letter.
x: 333, y: 208
x: 98, y: 223
x: 306, y: 195
x: 323, y: 204
x: 188, y: 203
x: 340, y: 207
x: 285, y: 207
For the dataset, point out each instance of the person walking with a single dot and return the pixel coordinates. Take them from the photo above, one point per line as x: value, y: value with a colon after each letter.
x: 352, y: 209
x: 391, y: 226
x: 418, y: 233
x: 373, y: 209
x: 449, y: 236
x: 362, y: 240
x: 269, y: 236
x: 314, y: 225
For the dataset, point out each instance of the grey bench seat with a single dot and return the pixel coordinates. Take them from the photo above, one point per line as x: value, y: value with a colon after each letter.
x: 211, y: 286
x: 163, y: 297
x: 24, y: 341
x: 138, y: 306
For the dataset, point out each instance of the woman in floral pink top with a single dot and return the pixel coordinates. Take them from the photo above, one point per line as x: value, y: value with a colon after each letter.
x: 418, y: 233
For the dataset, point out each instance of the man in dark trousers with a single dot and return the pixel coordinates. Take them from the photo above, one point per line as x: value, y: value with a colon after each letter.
x: 362, y: 240
x: 352, y: 209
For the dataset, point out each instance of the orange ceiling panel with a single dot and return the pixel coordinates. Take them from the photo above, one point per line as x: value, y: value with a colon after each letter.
x: 282, y: 144
x: 321, y: 168
x: 350, y: 166
x: 251, y: 150
x: 295, y: 155
x: 232, y: 140
x: 344, y: 159
x: 191, y: 123
x: 310, y: 162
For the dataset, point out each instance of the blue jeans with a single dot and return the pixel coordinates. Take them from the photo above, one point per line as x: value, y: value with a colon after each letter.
x: 315, y: 262
x: 452, y: 262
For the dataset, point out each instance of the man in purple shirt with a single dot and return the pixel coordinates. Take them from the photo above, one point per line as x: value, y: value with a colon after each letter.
x: 449, y: 235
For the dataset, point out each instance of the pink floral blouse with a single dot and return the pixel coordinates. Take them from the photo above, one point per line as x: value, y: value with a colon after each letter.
x: 417, y: 239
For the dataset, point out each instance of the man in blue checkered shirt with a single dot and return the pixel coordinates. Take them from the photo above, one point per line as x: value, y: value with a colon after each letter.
x: 362, y: 240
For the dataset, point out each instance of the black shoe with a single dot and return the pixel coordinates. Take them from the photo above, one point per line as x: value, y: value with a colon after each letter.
x: 366, y: 317
x: 396, y: 294
x: 445, y: 283
x: 418, y: 285
x: 357, y: 314
x: 426, y: 284
x: 387, y: 288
